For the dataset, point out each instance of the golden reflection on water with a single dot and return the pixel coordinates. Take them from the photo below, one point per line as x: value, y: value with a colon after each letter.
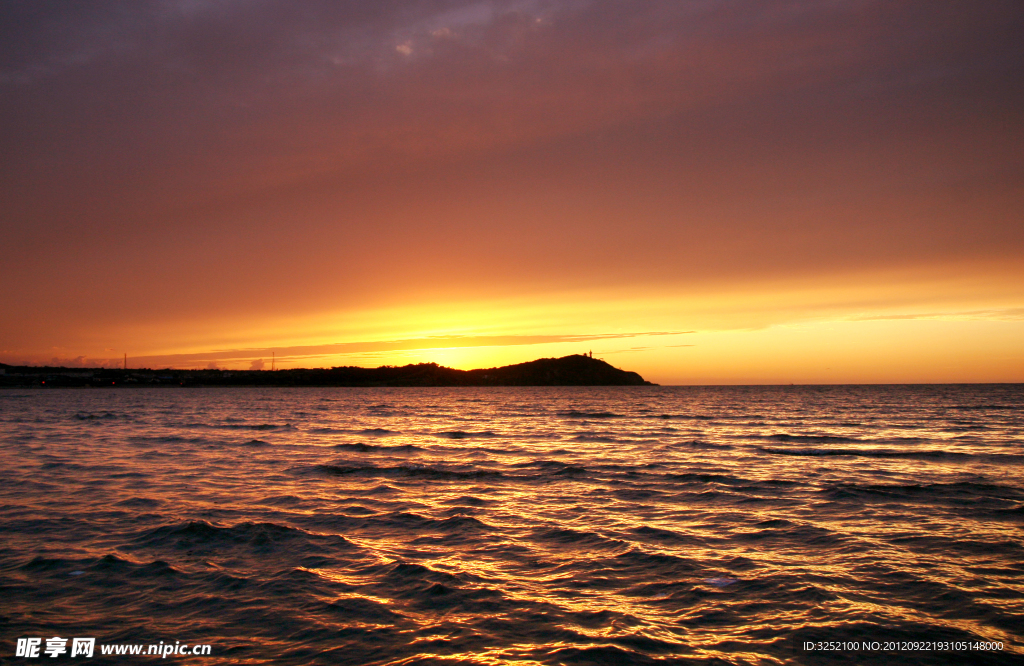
x: 700, y: 539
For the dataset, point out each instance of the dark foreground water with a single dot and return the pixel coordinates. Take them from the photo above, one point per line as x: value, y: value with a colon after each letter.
x: 642, y: 525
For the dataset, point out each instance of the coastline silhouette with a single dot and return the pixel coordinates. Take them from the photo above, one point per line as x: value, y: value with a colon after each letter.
x: 573, y: 370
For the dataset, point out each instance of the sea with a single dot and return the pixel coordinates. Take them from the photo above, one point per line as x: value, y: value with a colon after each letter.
x: 550, y: 526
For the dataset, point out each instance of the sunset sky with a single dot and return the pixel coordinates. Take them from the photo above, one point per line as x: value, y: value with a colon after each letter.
x: 702, y: 191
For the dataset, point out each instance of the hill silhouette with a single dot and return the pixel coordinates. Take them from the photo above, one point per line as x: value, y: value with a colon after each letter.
x: 575, y: 370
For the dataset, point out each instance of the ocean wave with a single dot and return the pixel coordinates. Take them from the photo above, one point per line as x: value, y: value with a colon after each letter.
x: 239, y: 426
x: 548, y: 469
x: 105, y: 416
x: 379, y: 448
x: 544, y: 464
x: 1012, y: 513
x: 378, y: 432
x: 260, y: 537
x: 684, y: 417
x: 868, y: 453
x: 1008, y: 408
x: 606, y: 654
x: 41, y: 563
x: 468, y: 500
x: 456, y: 525
x: 461, y: 434
x: 659, y: 535
x: 810, y: 535
x: 696, y: 444
x: 140, y: 502
x: 962, y: 490
x: 366, y: 432
x: 578, y: 414
x: 355, y: 609
x: 697, y: 477
x: 599, y: 439
x: 168, y: 439
x: 108, y: 565
x: 812, y: 439
x: 909, y: 454
x: 577, y: 539
x: 411, y: 471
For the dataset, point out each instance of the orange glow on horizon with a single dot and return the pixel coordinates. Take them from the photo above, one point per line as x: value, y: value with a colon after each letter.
x: 854, y: 329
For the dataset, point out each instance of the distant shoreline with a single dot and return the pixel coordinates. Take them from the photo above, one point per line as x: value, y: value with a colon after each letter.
x: 574, y: 370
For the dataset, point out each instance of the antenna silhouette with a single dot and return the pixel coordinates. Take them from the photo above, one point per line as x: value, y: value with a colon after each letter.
x: 273, y: 359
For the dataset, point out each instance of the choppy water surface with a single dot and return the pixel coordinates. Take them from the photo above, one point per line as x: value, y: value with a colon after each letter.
x: 641, y: 525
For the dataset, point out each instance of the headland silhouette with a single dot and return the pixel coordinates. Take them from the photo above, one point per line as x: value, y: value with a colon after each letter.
x: 574, y: 370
